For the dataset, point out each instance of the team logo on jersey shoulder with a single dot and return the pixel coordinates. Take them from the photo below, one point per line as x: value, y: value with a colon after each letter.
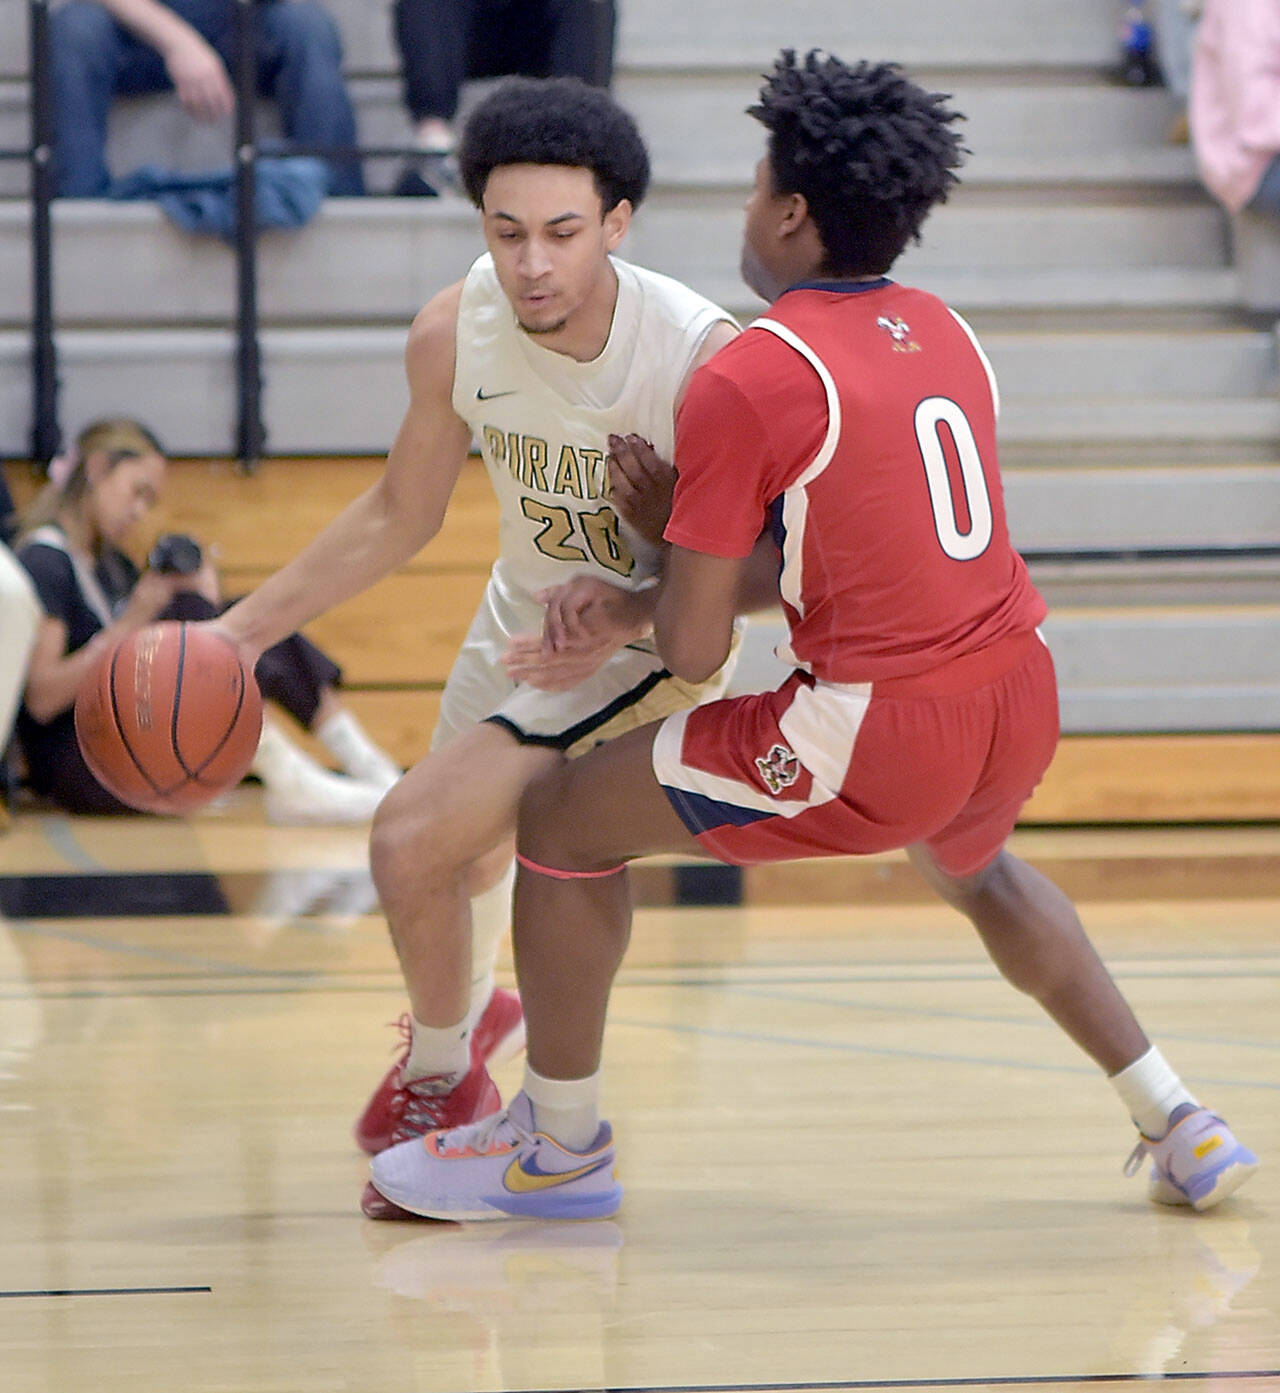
x: 900, y: 332
x: 780, y: 768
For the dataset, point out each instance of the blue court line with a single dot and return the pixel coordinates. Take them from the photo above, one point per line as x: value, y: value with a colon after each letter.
x: 164, y: 955
x: 893, y: 1052
x: 59, y: 832
x: 1034, y: 1022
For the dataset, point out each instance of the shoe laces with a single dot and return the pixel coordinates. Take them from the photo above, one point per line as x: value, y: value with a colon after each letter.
x: 419, y: 1106
x: 405, y: 1026
x: 481, y: 1136
x: 1136, y: 1157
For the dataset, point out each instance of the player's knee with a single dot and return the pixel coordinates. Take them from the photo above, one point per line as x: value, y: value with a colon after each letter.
x: 412, y: 840
x: 543, y: 820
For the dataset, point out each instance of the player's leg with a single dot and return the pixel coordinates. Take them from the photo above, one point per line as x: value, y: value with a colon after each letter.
x: 438, y: 839
x: 548, y: 1155
x: 441, y: 839
x: 571, y: 928
x: 1036, y: 939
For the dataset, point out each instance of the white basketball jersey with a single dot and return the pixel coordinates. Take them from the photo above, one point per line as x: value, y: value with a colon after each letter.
x: 543, y: 421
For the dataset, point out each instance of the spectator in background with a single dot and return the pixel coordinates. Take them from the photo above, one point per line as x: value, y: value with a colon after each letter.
x: 444, y: 43
x: 1235, y: 103
x: 1174, y: 22
x: 19, y: 620
x: 92, y: 594
x: 101, y: 49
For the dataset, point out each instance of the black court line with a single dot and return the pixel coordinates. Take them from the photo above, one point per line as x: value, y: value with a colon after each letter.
x: 108, y: 1291
x: 1000, y: 1381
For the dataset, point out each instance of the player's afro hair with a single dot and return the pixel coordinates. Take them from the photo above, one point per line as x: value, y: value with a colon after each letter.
x: 870, y: 151
x: 559, y: 120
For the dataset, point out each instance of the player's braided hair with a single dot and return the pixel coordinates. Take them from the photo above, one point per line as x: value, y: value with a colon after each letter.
x: 559, y: 120
x: 870, y: 151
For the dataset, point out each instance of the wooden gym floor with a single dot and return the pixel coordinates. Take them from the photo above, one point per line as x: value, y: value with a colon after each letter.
x: 853, y: 1158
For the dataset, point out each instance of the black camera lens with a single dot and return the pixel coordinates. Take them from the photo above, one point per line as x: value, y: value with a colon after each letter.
x: 176, y: 555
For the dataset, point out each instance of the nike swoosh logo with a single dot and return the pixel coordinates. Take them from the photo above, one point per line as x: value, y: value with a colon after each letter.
x: 482, y: 395
x: 522, y: 1182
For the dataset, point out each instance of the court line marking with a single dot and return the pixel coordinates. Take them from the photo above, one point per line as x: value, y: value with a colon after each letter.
x: 105, y: 1291
x: 887, y: 1052
x: 889, y: 1008
x: 999, y: 1381
x: 164, y: 955
x: 59, y: 833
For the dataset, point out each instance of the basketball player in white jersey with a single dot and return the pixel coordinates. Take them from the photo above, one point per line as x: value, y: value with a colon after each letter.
x: 547, y: 349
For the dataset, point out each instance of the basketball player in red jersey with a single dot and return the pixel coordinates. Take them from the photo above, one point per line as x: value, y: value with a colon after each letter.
x: 856, y: 422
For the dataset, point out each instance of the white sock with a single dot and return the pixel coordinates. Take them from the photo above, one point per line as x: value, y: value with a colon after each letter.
x: 1151, y: 1091
x: 481, y: 991
x: 347, y: 741
x: 277, y: 756
x: 490, y: 924
x: 567, y: 1110
x: 438, y: 1052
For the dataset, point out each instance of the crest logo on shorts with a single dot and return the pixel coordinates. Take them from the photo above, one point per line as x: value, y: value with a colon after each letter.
x: 779, y: 768
x: 900, y: 332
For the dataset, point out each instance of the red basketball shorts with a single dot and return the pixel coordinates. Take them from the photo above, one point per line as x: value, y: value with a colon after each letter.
x: 946, y: 758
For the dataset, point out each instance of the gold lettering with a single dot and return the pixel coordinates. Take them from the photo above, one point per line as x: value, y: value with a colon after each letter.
x: 536, y: 455
x: 495, y: 446
x: 568, y: 473
x: 594, y: 472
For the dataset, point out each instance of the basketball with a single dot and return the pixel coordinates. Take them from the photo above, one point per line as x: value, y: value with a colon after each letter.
x: 169, y: 718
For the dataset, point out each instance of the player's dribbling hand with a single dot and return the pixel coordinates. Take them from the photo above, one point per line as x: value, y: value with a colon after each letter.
x: 249, y: 654
x: 641, y: 485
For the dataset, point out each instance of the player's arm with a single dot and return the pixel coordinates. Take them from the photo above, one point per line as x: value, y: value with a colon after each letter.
x: 696, y: 605
x: 389, y: 522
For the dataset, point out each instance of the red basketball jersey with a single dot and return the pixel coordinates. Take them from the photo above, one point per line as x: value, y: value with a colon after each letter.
x: 860, y: 423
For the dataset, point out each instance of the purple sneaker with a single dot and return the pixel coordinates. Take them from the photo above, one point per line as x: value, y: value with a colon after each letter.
x: 1198, y: 1161
x: 500, y: 1168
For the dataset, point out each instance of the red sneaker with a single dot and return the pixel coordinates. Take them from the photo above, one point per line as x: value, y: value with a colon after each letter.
x: 498, y: 1036
x: 414, y: 1111
x: 499, y: 1033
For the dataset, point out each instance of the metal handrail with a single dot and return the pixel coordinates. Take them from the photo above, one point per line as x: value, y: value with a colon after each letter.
x: 250, y: 435
x: 46, y: 435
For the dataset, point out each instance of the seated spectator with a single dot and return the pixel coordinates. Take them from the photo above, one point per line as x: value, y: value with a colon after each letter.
x: 93, y: 594
x: 1174, y: 22
x: 101, y: 49
x: 19, y: 620
x: 1235, y: 103
x: 443, y: 43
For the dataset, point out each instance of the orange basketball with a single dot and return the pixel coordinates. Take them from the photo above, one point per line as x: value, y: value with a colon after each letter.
x: 169, y: 718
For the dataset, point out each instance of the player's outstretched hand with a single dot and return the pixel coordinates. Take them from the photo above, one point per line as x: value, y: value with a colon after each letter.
x: 586, y: 622
x: 641, y: 484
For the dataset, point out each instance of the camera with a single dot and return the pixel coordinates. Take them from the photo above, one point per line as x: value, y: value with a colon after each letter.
x: 176, y: 554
